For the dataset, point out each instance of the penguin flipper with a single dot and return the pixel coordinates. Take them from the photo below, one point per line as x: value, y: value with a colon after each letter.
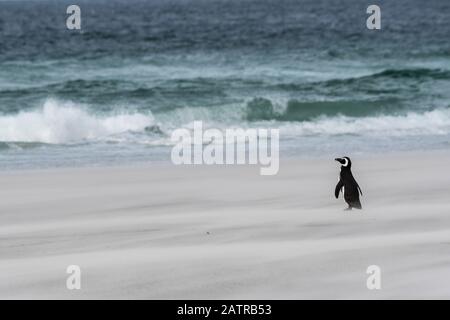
x: 338, y: 189
x: 359, y: 188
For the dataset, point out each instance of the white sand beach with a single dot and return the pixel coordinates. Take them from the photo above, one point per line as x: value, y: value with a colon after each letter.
x: 225, y: 232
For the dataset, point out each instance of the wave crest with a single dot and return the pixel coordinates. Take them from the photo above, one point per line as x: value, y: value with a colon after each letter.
x: 436, y: 122
x: 263, y: 109
x: 59, y: 123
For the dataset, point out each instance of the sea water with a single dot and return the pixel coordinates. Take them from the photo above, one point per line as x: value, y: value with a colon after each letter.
x: 114, y: 91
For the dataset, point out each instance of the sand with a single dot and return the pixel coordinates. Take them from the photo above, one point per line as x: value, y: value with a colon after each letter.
x: 225, y: 232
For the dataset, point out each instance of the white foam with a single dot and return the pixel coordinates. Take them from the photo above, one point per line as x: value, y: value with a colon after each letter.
x: 436, y: 122
x: 63, y: 122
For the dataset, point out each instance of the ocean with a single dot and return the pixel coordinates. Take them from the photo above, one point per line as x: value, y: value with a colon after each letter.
x: 112, y: 92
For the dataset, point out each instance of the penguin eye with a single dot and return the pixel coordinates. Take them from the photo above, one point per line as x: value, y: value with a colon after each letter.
x: 346, y: 162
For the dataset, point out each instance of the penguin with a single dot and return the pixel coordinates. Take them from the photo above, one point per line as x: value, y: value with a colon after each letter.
x: 347, y: 181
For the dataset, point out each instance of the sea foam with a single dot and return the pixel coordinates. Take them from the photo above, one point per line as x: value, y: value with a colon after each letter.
x: 435, y: 122
x: 65, y: 122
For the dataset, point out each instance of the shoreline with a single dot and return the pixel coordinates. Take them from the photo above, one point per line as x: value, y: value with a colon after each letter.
x: 167, y: 163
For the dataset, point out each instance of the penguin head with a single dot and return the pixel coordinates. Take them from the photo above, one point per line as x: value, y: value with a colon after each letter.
x: 345, y: 161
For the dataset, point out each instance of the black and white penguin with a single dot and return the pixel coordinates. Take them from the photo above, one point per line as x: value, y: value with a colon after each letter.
x: 348, y: 182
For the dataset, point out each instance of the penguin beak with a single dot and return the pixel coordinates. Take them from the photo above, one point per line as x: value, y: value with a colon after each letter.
x: 340, y: 160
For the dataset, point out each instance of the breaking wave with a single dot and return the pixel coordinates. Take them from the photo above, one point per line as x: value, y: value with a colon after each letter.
x: 436, y: 122
x: 59, y: 123
x: 65, y: 123
x: 294, y: 110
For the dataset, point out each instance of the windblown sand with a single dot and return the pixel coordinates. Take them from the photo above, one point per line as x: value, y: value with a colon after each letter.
x: 166, y: 232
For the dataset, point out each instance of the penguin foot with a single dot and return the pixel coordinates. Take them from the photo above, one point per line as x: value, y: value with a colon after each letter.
x: 348, y: 209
